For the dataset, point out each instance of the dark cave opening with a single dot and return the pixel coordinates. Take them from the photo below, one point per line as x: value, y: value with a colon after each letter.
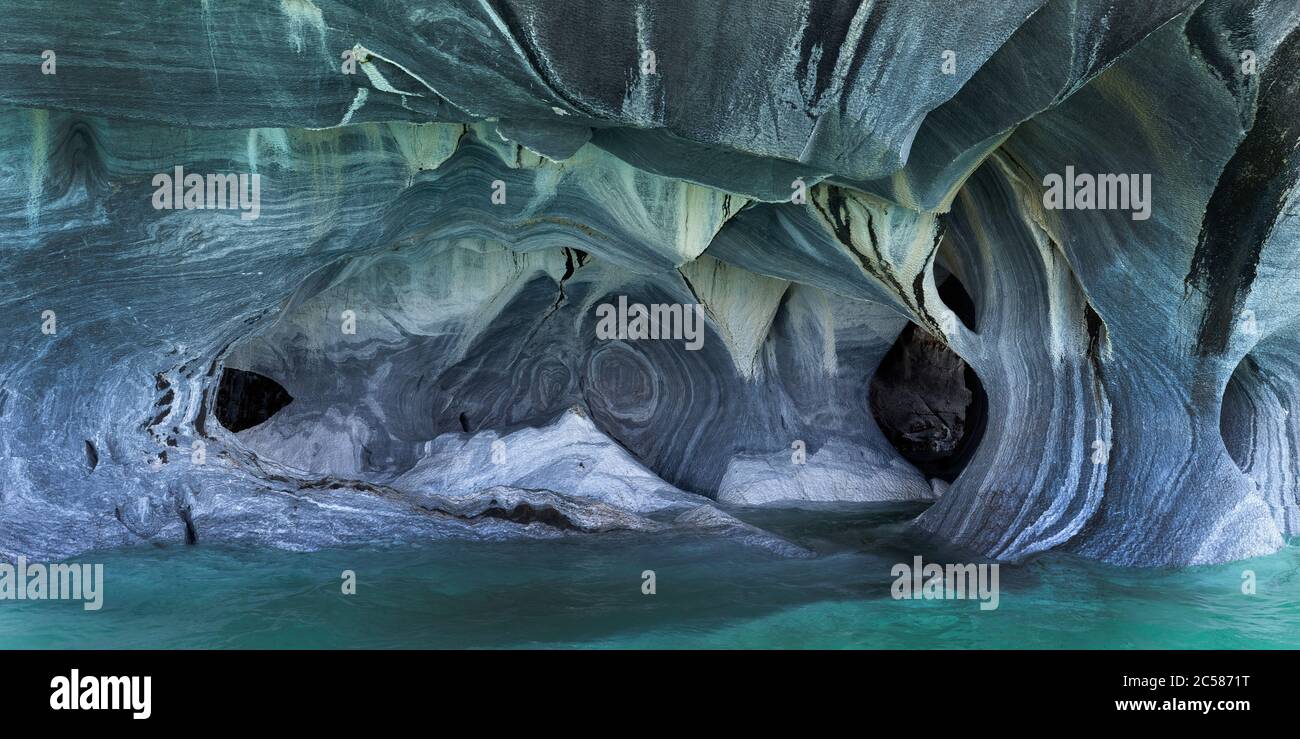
x: 954, y: 295
x: 926, y: 400
x: 246, y: 399
x: 1238, y: 419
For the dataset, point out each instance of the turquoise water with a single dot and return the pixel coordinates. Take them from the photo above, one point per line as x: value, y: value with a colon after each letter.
x: 586, y: 592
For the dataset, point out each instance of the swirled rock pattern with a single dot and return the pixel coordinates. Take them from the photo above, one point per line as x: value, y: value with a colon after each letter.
x: 451, y: 195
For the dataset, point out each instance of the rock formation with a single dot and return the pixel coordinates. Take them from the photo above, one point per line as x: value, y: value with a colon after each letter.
x: 388, y: 326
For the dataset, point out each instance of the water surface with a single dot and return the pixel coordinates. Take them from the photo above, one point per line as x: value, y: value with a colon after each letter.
x: 585, y: 591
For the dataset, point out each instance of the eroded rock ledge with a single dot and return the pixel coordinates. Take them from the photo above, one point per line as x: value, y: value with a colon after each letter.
x: 449, y: 190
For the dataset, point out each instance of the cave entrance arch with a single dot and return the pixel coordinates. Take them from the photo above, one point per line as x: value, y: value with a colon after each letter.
x: 927, y: 401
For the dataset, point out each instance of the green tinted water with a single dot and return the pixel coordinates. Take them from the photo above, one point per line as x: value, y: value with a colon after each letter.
x: 587, y: 592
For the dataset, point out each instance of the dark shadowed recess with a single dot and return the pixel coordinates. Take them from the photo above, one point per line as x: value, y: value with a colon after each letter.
x: 926, y: 400
x: 245, y: 399
x: 1247, y: 201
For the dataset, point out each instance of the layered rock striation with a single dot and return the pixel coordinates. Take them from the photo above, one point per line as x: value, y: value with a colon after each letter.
x: 394, y: 324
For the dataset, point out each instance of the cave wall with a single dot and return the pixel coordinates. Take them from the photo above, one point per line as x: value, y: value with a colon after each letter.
x: 1105, y: 345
